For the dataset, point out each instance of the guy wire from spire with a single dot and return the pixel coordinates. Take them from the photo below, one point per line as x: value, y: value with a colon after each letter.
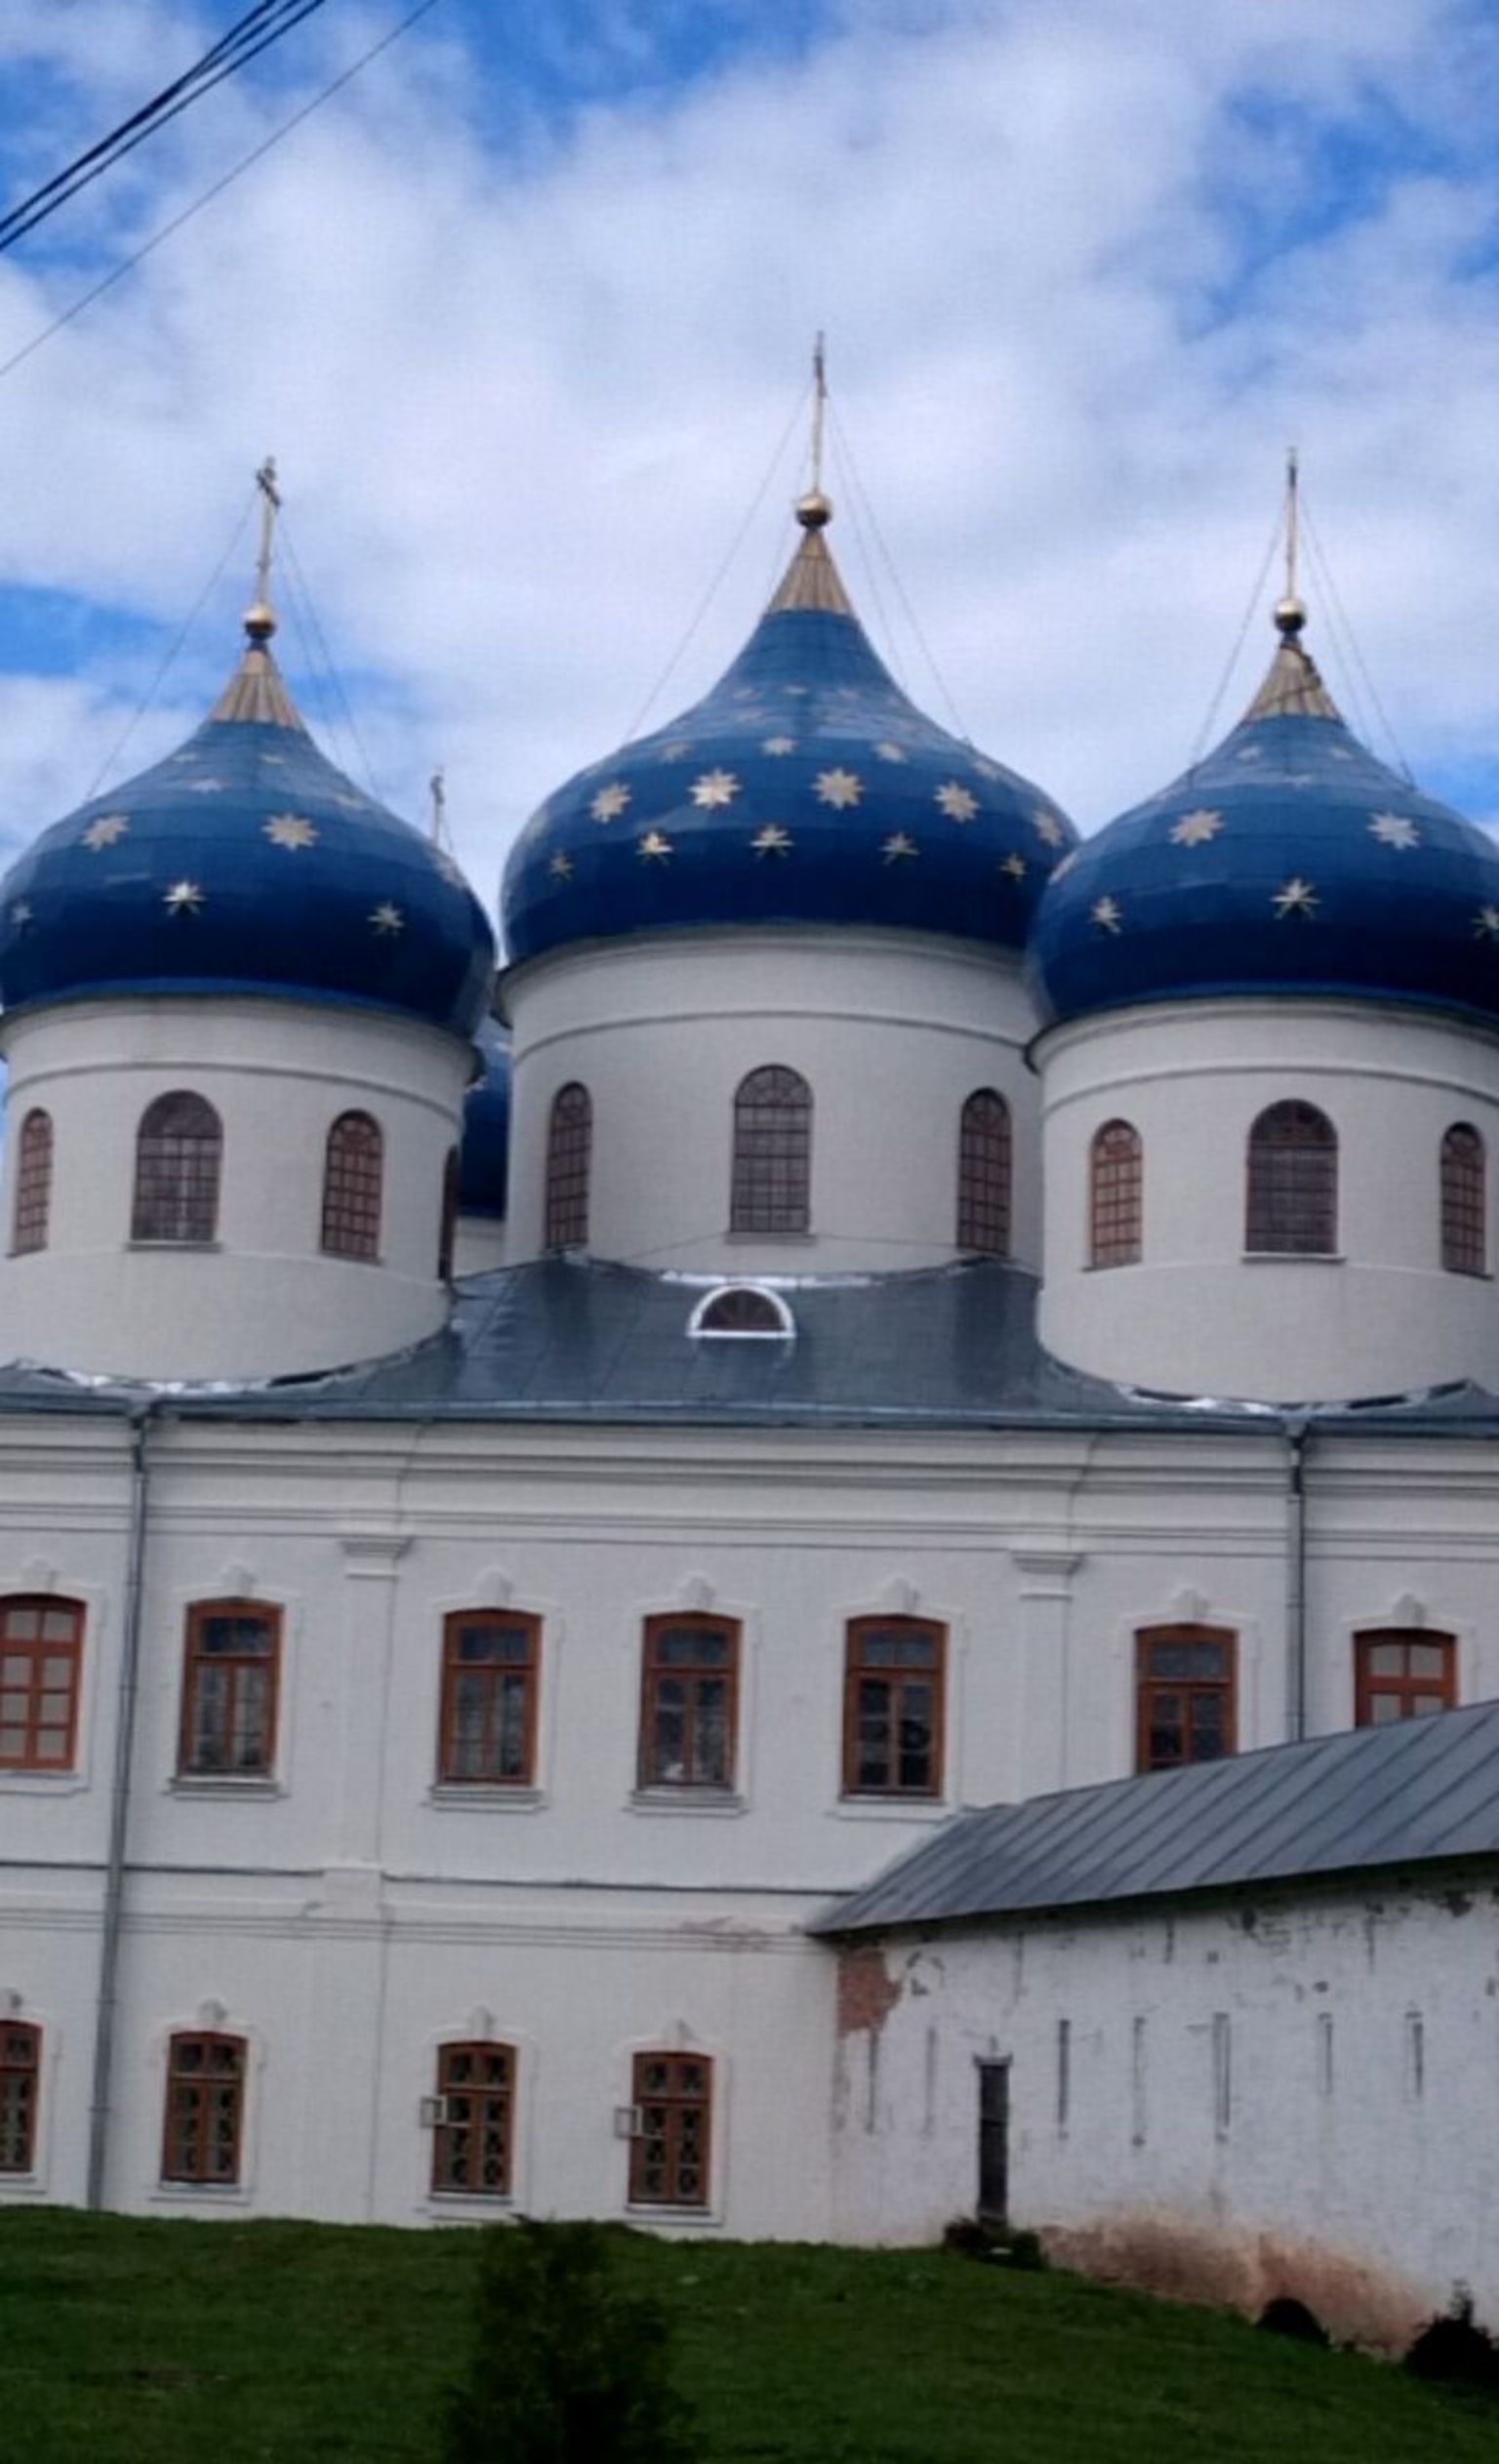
x: 1251, y: 609
x: 897, y: 585
x: 889, y: 644
x: 1352, y: 651
x: 298, y: 587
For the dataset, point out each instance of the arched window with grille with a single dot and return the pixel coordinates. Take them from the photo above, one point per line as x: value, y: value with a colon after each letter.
x: 179, y: 1154
x: 353, y: 1175
x: 569, y: 1154
x: 33, y: 1183
x: 771, y: 1187
x: 984, y: 1173
x: 1115, y: 1194
x: 1292, y: 1208
x: 1464, y: 1201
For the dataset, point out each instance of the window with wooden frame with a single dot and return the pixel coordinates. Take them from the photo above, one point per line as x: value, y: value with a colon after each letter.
x: 1115, y: 1194
x: 21, y: 2086
x: 1184, y: 1695
x: 688, y: 1701
x: 178, y: 1156
x: 771, y: 1184
x: 447, y: 1222
x: 41, y: 1666
x: 491, y: 1673
x: 472, y: 2140
x: 671, y: 2145
x: 229, y: 1689
x: 33, y: 1183
x: 1292, y: 1184
x: 204, y: 2127
x: 1402, y: 1673
x: 1464, y: 1201
x: 984, y: 1173
x: 569, y: 1155
x: 894, y: 1677
x: 353, y: 1176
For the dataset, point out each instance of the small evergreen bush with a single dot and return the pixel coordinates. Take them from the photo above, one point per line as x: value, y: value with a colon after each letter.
x: 567, y: 2366
x: 1456, y: 2349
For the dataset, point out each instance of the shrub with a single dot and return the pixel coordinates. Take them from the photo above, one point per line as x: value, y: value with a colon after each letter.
x: 1454, y: 2348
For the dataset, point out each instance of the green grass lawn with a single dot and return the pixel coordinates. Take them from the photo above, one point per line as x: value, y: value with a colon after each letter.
x: 124, y: 2342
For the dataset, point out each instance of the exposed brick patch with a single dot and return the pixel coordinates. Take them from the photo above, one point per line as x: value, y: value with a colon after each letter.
x: 867, y: 1992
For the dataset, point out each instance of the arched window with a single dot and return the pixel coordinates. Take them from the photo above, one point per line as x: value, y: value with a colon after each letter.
x: 894, y: 1681
x: 491, y: 1667
x: 688, y: 1701
x: 771, y: 1190
x: 205, y: 2115
x: 1292, y: 1184
x: 473, y: 2135
x: 569, y: 1151
x: 179, y: 1150
x: 33, y: 1183
x: 353, y: 1170
x: 1116, y: 1171
x: 1464, y: 1202
x: 447, y: 1223
x: 984, y: 1173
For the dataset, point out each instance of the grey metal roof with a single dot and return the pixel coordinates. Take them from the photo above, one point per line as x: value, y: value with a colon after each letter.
x: 577, y: 1340
x: 1416, y: 1792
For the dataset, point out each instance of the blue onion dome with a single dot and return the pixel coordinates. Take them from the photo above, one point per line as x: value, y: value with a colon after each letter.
x: 245, y: 863
x: 806, y: 789
x: 1289, y: 861
x: 484, y: 1153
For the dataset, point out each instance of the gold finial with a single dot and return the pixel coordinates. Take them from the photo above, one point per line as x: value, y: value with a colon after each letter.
x: 814, y: 511
x: 1290, y: 609
x: 261, y: 617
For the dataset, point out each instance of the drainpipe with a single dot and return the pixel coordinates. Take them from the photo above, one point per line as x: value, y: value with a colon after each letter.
x: 119, y: 1812
x: 1297, y: 1438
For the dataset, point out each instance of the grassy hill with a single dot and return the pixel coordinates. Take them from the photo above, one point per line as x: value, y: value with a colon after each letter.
x: 127, y: 2342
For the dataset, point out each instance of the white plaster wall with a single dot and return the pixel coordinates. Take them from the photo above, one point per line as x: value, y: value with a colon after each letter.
x: 1196, y: 1316
x: 1288, y: 2092
x: 478, y: 1246
x: 891, y: 1030
x: 263, y: 1300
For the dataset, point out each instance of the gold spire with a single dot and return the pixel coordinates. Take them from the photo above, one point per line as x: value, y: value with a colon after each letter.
x: 254, y: 691
x: 811, y: 578
x: 1293, y: 687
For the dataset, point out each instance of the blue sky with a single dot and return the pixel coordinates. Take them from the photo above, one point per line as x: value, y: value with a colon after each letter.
x: 525, y: 311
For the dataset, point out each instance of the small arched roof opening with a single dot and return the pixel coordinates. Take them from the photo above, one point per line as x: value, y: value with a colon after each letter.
x: 741, y: 1310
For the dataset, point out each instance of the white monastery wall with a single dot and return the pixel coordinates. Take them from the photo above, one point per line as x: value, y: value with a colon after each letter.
x: 1287, y: 2092
x: 892, y: 1032
x: 1198, y: 1316
x: 262, y: 1300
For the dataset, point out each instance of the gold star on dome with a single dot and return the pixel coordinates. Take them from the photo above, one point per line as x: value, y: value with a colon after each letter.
x: 185, y: 757
x: 1300, y: 778
x: 898, y: 848
x: 205, y: 787
x: 886, y: 752
x: 1486, y: 925
x: 772, y: 841
x: 185, y: 898
x: 676, y: 752
x: 716, y: 788
x: 959, y: 804
x: 387, y: 919
x: 105, y: 830
x: 654, y: 846
x: 560, y: 865
x: 1295, y: 898
x: 291, y: 830
x: 1015, y: 867
x: 610, y: 801
x: 1107, y: 914
x: 778, y: 745
x: 1046, y: 826
x: 1195, y: 830
x: 839, y: 788
x: 987, y: 769
x: 1394, y: 829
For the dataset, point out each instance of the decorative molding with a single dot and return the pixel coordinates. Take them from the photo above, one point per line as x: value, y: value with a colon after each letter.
x: 373, y: 1557
x: 236, y: 1580
x: 482, y: 2024
x: 697, y: 1595
x: 10, y: 2004
x: 1406, y: 1610
x: 39, y: 1574
x: 1045, y: 1573
x: 1189, y: 1608
x: 212, y: 2014
x: 493, y: 1587
x: 898, y: 1599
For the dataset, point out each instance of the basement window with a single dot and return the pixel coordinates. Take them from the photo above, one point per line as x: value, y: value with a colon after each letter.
x: 742, y: 1309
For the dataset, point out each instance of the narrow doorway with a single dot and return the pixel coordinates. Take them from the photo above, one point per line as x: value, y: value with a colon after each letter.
x: 994, y: 2141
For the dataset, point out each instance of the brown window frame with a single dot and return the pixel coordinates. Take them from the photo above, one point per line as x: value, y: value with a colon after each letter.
x: 187, y: 2142
x: 496, y: 1680
x: 1406, y: 1687
x: 1464, y: 1182
x: 770, y: 1176
x: 1291, y: 1183
x: 660, y: 2141
x: 239, y: 1665
x: 858, y: 1672
x: 1149, y: 1684
x: 569, y: 1166
x: 21, y: 2095
x: 33, y: 1689
x: 31, y: 1214
x: 353, y: 1188
x: 694, y: 1676
x: 986, y: 1149
x: 179, y: 1172
x: 485, y: 2125
x: 1116, y: 1195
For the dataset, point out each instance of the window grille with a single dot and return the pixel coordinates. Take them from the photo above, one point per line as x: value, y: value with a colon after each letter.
x: 569, y: 1154
x: 984, y: 1173
x: 490, y: 1675
x: 205, y: 2109
x: 1185, y: 1695
x: 229, y: 1689
x: 771, y: 1187
x: 1292, y: 1184
x: 670, y: 2152
x: 475, y: 2119
x: 179, y: 1154
x: 689, y: 1690
x: 353, y: 1172
x: 33, y: 1183
x: 1117, y: 1175
x: 1464, y: 1201
x: 21, y: 2079
x: 894, y: 1669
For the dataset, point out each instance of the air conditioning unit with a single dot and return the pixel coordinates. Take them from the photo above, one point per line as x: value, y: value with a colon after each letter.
x: 628, y: 2122
x: 434, y: 2112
